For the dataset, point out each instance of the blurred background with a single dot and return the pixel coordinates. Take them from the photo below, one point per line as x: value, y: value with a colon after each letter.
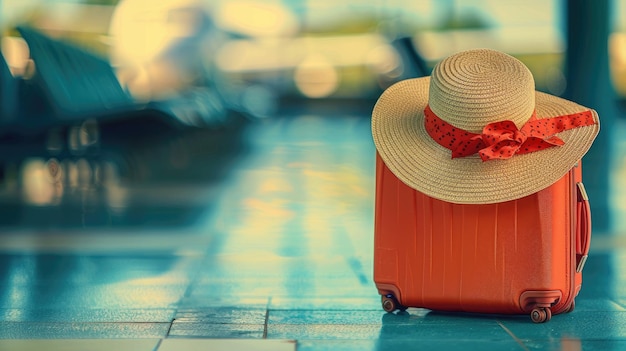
x: 120, y: 113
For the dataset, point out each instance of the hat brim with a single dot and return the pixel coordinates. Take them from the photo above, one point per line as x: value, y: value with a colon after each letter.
x: 421, y: 163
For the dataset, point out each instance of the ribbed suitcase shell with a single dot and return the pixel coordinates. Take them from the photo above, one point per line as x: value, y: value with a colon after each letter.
x: 513, y: 257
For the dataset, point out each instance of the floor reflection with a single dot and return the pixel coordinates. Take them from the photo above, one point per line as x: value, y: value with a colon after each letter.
x: 60, y: 287
x: 165, y: 179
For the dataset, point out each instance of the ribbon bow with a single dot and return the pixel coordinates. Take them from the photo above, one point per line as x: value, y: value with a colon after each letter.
x: 502, y: 139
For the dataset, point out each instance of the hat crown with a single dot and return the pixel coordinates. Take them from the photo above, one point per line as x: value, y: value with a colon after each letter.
x: 474, y: 88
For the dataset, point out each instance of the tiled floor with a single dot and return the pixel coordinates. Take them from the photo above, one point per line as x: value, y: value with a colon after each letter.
x: 275, y: 256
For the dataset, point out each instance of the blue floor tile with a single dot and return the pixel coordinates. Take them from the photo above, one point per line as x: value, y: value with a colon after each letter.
x: 227, y: 345
x: 216, y: 330
x: 84, y: 315
x: 582, y: 325
x: 64, y: 330
x: 329, y: 317
x: 79, y: 344
x: 222, y: 315
x: 403, y: 344
x: 598, y: 304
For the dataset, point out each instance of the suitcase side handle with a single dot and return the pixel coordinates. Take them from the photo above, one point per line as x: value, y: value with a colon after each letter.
x: 583, y: 227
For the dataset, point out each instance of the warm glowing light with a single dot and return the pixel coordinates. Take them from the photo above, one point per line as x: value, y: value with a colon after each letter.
x: 316, y: 77
x: 617, y: 52
x: 435, y: 45
x: 315, y: 61
x: 16, y: 54
x: 384, y: 59
x: 144, y: 35
x: 617, y: 47
x: 256, y: 18
x: 41, y: 182
x: 142, y: 29
x: 343, y: 51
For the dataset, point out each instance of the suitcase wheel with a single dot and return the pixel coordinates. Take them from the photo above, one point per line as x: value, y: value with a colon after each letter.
x: 541, y: 314
x: 390, y: 304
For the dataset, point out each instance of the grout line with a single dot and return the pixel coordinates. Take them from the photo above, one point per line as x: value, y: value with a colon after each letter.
x: 158, y: 345
x: 267, y: 317
x: 517, y: 340
x: 169, y: 329
x: 266, y: 322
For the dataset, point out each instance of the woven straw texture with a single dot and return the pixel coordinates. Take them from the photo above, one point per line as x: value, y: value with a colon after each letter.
x: 469, y: 90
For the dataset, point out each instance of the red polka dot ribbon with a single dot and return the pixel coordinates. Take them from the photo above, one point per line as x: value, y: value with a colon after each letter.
x: 502, y: 140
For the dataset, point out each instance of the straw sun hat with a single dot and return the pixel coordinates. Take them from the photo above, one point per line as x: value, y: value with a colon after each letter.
x: 477, y: 132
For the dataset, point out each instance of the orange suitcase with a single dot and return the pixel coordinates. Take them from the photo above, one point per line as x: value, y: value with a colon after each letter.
x: 523, y: 256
